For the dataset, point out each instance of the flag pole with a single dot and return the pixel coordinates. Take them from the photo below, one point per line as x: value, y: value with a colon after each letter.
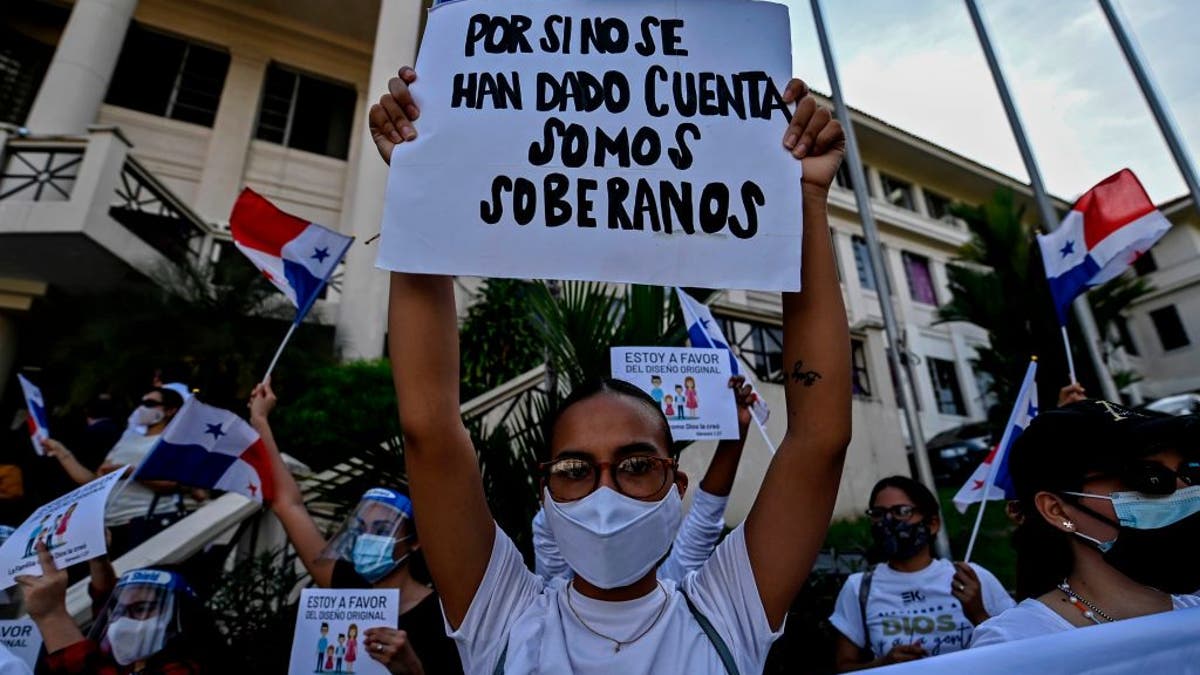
x: 1001, y: 451
x: 278, y: 352
x: 1166, y: 123
x: 906, y: 393
x: 1070, y: 356
x: 1083, y: 311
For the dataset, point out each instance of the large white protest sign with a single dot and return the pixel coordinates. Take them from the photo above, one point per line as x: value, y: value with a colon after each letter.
x: 1159, y: 643
x: 22, y: 638
x: 71, y: 526
x: 691, y: 385
x: 624, y: 140
x: 330, y: 625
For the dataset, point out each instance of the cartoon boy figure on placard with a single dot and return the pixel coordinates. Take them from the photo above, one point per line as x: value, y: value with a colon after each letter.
x: 35, y: 535
x: 656, y: 391
x: 340, y: 652
x: 679, y: 401
x: 322, y: 645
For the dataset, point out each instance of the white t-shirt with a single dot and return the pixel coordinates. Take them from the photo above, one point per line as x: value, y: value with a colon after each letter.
x: 1032, y: 618
x: 914, y: 607
x: 516, y: 609
x: 130, y: 499
x: 11, y: 665
x: 698, y: 535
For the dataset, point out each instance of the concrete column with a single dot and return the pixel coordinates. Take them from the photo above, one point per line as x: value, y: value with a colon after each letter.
x: 8, y: 353
x: 362, y: 320
x: 83, y: 64
x: 232, y: 130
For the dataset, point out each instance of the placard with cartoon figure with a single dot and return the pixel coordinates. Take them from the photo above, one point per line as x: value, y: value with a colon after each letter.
x: 329, y: 629
x: 21, y: 637
x: 71, y: 527
x: 690, y: 385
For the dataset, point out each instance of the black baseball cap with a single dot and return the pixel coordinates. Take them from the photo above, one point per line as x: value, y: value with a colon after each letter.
x: 1062, y: 446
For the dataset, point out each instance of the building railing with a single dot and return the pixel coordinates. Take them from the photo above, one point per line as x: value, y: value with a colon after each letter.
x: 152, y: 212
x: 40, y: 170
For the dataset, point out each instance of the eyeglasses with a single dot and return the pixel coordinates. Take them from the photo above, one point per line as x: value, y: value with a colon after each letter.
x: 1152, y: 478
x: 639, y: 477
x: 899, y: 512
x: 151, y: 403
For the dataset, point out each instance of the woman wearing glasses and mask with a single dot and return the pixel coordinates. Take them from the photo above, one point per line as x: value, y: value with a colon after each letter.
x: 1110, y: 505
x: 376, y: 547
x: 613, y: 490
x: 911, y: 605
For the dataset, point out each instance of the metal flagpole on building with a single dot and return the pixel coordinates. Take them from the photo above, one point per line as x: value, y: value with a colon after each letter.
x: 1083, y: 311
x: 906, y: 393
x: 1166, y: 123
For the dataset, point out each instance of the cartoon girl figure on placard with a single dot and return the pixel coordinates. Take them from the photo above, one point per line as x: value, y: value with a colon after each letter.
x: 329, y: 658
x: 669, y: 406
x: 351, y: 647
x: 691, y: 400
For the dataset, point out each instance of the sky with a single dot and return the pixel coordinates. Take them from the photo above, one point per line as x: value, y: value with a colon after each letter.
x: 917, y: 65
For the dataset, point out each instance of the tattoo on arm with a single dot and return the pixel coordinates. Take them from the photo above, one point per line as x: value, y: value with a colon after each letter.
x: 806, y: 377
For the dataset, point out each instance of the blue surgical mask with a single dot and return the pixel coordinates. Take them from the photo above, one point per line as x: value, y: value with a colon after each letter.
x: 1143, y: 512
x: 373, y: 556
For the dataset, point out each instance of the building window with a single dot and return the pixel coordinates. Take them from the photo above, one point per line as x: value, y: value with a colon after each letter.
x: 862, y: 260
x: 842, y: 178
x: 938, y: 206
x: 169, y: 77
x: 1170, y: 329
x: 920, y: 279
x: 1145, y: 264
x: 306, y: 113
x: 860, y: 377
x: 23, y: 63
x: 1126, y: 336
x: 946, y: 391
x: 985, y: 383
x: 758, y: 343
x: 896, y: 191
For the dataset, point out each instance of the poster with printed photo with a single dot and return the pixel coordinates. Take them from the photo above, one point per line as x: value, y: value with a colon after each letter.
x: 691, y: 386
x: 330, y: 625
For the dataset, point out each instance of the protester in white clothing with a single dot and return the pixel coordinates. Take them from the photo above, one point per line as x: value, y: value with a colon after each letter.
x: 612, y: 487
x: 1110, y: 506
x: 912, y: 605
x: 702, y: 525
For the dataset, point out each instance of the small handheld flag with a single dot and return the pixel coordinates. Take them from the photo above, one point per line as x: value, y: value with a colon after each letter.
x: 208, y: 447
x: 991, y: 479
x: 295, y: 255
x: 38, y: 421
x: 705, y: 332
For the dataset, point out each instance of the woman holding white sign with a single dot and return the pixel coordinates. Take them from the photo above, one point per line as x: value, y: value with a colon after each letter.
x: 612, y: 488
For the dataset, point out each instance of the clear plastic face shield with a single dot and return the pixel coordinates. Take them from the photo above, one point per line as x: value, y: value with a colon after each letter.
x: 373, y: 538
x: 142, y: 615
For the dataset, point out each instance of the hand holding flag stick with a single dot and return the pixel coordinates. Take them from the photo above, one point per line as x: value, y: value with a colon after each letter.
x: 295, y: 255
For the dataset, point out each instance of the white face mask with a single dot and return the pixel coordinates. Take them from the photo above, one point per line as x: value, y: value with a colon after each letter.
x: 132, y: 640
x: 612, y: 540
x: 147, y: 416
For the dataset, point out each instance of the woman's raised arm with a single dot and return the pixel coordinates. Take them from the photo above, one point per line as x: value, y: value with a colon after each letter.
x: 454, y: 524
x: 787, y: 524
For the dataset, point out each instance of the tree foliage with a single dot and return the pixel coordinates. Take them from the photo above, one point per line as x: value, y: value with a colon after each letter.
x: 497, y: 338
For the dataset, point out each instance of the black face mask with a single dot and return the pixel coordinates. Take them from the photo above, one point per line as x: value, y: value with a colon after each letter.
x: 1159, y: 558
x: 898, y: 540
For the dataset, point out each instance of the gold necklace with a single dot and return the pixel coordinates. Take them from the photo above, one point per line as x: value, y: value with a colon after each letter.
x: 617, y: 644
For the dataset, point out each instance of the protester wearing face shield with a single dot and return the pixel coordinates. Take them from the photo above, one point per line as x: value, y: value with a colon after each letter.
x: 376, y: 547
x: 152, y: 624
x: 911, y: 605
x: 1110, y: 504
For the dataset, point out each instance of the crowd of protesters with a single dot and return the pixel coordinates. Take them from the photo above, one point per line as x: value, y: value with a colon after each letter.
x: 624, y: 581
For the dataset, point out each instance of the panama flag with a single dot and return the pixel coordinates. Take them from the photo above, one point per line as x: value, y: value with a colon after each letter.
x: 1107, y: 229
x: 209, y: 447
x: 295, y: 255
x: 993, y: 471
x: 38, y: 421
x: 705, y: 332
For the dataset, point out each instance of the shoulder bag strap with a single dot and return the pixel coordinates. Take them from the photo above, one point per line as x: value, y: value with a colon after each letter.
x: 715, y: 638
x: 864, y: 592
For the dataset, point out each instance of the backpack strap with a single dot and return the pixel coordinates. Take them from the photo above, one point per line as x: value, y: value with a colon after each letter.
x: 715, y: 638
x: 864, y: 592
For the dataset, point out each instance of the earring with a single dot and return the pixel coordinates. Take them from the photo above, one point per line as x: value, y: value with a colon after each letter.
x: 1069, y: 525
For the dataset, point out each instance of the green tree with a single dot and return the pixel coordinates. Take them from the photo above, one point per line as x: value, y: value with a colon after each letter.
x: 497, y: 337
